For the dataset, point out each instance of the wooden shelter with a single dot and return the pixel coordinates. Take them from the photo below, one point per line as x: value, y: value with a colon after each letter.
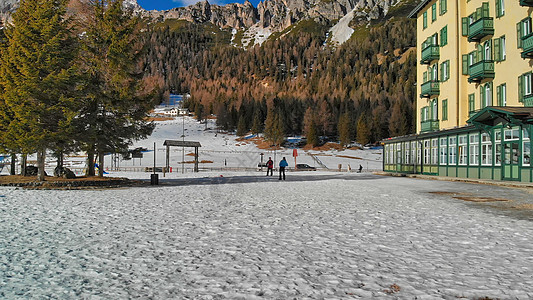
x: 188, y: 144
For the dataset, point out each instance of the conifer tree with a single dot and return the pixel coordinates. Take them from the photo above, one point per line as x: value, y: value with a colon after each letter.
x: 344, y: 129
x: 274, y: 131
x: 257, y: 123
x: 38, y: 77
x: 241, y: 127
x: 363, y: 132
x: 115, y: 106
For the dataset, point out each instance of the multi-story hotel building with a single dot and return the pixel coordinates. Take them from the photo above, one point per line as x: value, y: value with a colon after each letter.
x: 474, y: 89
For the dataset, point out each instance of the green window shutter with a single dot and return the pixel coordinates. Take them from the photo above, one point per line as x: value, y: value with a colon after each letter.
x: 444, y: 110
x: 479, y: 53
x: 444, y: 6
x: 425, y: 20
x: 521, y: 88
x: 444, y: 36
x: 440, y: 7
x: 499, y: 95
x: 433, y: 12
x: 478, y: 14
x: 497, y: 50
x: 447, y: 69
x: 441, y: 73
x: 485, y: 13
x: 498, y: 8
x: 465, y: 26
x: 519, y: 34
x: 425, y: 76
x: 491, y: 95
x: 481, y: 96
x: 465, y: 64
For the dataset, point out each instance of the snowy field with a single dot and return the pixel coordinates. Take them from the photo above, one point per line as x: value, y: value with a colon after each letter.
x: 318, y: 235
x: 222, y: 234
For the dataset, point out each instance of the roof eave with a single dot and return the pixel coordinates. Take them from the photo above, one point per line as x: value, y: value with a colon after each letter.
x: 413, y: 14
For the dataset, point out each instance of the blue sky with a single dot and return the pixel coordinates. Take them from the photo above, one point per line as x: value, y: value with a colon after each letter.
x: 168, y: 4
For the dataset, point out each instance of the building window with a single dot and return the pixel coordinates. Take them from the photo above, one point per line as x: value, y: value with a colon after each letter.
x: 524, y: 86
x: 413, y: 151
x: 501, y: 94
x: 434, y: 12
x: 526, y: 147
x: 425, y: 20
x: 443, y: 7
x: 445, y: 110
x: 500, y: 8
x: 407, y: 153
x: 471, y: 103
x: 503, y: 52
x: 445, y: 70
x: 443, y: 151
x: 434, y: 110
x: 486, y: 95
x: 444, y: 36
x: 511, y: 134
x: 486, y: 149
x: 427, y: 152
x: 498, y: 146
x: 523, y: 28
x: 452, y: 151
x: 474, y: 149
x: 487, y: 54
x: 434, y: 72
x: 463, y: 151
x: 434, y: 151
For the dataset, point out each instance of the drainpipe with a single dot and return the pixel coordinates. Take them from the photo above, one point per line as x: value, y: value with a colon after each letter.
x: 459, y: 59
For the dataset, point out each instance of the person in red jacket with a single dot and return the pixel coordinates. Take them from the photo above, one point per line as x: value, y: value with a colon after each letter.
x: 270, y: 166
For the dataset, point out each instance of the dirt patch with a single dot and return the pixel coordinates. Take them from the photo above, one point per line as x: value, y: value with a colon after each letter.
x: 350, y: 157
x: 202, y: 162
x: 447, y: 193
x: 480, y: 199
x: 325, y: 147
x: 527, y: 206
x: 63, y: 183
x: 153, y: 119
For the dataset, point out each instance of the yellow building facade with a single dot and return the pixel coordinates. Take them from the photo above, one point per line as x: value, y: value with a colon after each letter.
x: 474, y: 89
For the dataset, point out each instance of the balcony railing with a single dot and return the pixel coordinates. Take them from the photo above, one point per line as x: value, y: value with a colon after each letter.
x: 481, y: 70
x: 430, y: 88
x: 526, y: 2
x: 430, y: 54
x: 429, y: 125
x: 528, y: 100
x: 480, y: 29
x: 527, y: 46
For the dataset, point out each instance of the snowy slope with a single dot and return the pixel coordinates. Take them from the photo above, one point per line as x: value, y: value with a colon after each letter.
x: 342, y: 32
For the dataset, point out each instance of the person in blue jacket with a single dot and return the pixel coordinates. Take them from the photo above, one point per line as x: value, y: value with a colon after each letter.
x: 282, y: 165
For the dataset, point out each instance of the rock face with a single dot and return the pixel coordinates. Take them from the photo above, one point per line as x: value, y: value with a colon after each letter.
x: 272, y: 15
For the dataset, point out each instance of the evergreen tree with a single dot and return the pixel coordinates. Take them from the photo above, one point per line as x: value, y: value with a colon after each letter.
x: 241, y: 127
x: 115, y: 107
x: 312, y: 135
x: 363, y: 132
x: 38, y: 78
x: 257, y: 123
x: 274, y: 131
x: 398, y: 124
x: 344, y: 129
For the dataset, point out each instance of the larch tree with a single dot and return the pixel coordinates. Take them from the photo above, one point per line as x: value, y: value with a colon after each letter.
x: 115, y: 105
x: 345, y: 129
x: 363, y: 131
x: 38, y: 77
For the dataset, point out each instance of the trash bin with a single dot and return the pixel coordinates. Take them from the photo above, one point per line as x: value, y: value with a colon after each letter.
x: 154, y: 179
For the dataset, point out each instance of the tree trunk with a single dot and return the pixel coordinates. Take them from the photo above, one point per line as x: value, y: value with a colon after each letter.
x: 23, y: 163
x: 90, y: 163
x: 101, y: 157
x: 13, y: 170
x: 41, y: 157
x: 60, y: 159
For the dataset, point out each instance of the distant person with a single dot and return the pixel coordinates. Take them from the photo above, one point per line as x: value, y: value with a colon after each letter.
x: 270, y: 166
x: 360, y: 169
x: 282, y: 165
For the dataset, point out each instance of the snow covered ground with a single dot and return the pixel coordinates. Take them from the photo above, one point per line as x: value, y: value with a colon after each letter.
x: 318, y: 235
x: 222, y: 234
x: 222, y: 150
